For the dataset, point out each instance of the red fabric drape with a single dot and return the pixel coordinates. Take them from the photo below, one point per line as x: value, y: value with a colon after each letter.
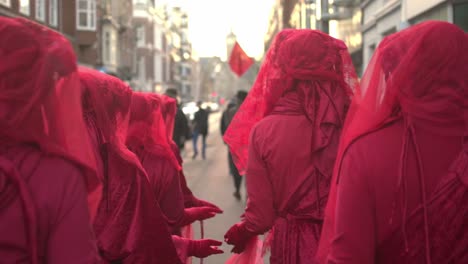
x: 40, y: 105
x: 239, y: 61
x: 418, y: 74
x: 318, y: 66
x: 130, y: 226
x: 147, y: 127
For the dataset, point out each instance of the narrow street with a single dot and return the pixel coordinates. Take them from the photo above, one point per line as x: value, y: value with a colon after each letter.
x: 210, y: 180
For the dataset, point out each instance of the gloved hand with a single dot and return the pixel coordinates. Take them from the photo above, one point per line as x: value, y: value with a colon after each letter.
x: 204, y: 248
x: 196, y: 248
x: 197, y: 213
x: 200, y: 202
x: 238, y: 236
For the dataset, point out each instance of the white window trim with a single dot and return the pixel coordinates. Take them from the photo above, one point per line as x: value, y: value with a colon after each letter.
x: 42, y: 8
x: 6, y: 3
x: 89, y: 13
x: 29, y: 8
x: 53, y: 16
x: 141, y: 40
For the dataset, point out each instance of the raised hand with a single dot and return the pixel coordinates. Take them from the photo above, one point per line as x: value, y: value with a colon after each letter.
x: 238, y: 236
x: 204, y: 248
x: 197, y: 213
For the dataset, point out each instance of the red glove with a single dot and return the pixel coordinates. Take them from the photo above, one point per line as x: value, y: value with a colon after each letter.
x: 204, y: 248
x: 200, y: 202
x: 238, y: 236
x: 197, y: 248
x: 197, y: 213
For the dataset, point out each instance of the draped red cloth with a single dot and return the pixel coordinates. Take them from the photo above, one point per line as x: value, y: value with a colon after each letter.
x: 294, y: 115
x: 130, y: 226
x: 279, y: 73
x: 149, y: 140
x: 147, y: 127
x: 411, y: 103
x: 239, y: 61
x: 41, y: 113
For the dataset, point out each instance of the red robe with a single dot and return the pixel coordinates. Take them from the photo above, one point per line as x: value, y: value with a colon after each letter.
x: 369, y: 213
x: 287, y: 193
x: 59, y: 194
x: 164, y: 182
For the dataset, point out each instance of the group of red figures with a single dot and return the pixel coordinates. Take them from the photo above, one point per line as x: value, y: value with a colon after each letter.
x: 338, y: 169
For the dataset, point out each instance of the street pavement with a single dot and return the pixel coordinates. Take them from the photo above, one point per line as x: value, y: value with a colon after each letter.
x: 210, y: 180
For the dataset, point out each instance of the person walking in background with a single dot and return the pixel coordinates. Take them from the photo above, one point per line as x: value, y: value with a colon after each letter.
x: 181, y: 126
x: 200, y: 127
x: 226, y: 119
x: 402, y: 168
x: 285, y: 138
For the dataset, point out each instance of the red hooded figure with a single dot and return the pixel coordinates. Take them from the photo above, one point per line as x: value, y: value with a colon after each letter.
x: 147, y: 138
x: 285, y: 138
x: 129, y: 225
x: 401, y: 180
x: 47, y: 167
x: 169, y: 110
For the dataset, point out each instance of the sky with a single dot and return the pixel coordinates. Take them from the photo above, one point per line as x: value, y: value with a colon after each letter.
x: 210, y: 21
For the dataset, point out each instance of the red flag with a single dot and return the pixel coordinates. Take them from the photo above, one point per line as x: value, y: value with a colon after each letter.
x: 239, y: 61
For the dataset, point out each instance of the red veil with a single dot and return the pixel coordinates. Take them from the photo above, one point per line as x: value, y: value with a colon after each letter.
x: 129, y: 224
x: 40, y: 104
x: 314, y: 64
x: 169, y: 111
x: 147, y: 130
x: 420, y: 75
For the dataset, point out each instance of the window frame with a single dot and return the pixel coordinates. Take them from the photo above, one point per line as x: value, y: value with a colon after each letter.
x: 29, y: 8
x: 42, y: 8
x: 90, y: 12
x: 6, y: 3
x: 141, y: 39
x: 53, y: 16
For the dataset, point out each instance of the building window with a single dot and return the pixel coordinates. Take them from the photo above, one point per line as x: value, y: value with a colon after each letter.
x: 140, y: 34
x: 5, y: 2
x: 53, y: 13
x: 107, y: 48
x: 40, y: 10
x: 459, y: 15
x: 25, y: 7
x: 86, y: 14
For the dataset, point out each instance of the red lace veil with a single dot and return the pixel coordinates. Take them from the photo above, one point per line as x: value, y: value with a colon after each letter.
x: 314, y: 64
x: 40, y: 104
x: 108, y: 100
x: 147, y: 128
x: 419, y: 74
x: 169, y: 111
x: 129, y: 225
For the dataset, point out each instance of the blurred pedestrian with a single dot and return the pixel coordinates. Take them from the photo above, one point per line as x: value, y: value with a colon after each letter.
x: 402, y: 192
x: 47, y: 168
x: 226, y: 119
x: 181, y: 126
x: 200, y: 128
x: 129, y: 225
x: 285, y: 138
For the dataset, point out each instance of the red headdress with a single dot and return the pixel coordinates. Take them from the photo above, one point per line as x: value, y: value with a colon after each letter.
x: 418, y: 74
x: 309, y: 62
x: 40, y: 103
x: 147, y: 129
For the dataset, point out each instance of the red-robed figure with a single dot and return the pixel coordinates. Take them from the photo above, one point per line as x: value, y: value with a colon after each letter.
x: 285, y: 138
x: 148, y: 139
x: 129, y: 225
x: 47, y: 167
x: 402, y: 174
